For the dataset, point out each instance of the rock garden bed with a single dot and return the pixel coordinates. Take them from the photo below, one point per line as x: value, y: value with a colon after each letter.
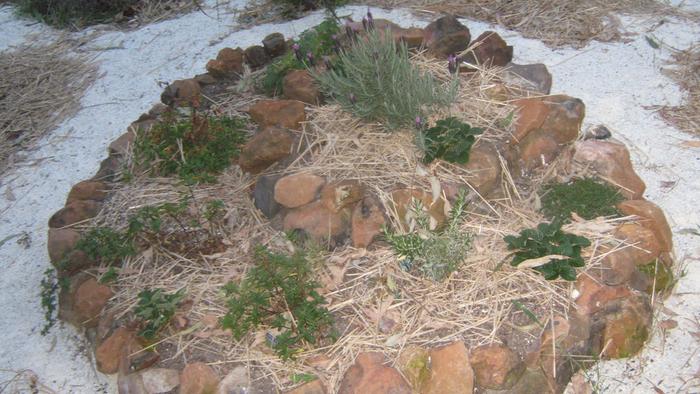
x: 409, y: 212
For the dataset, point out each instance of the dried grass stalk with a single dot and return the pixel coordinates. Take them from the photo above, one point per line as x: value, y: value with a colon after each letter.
x: 686, y: 73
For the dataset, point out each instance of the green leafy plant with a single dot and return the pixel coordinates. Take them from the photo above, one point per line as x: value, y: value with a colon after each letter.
x: 587, y: 197
x: 279, y: 292
x: 435, y: 254
x: 156, y: 309
x: 109, y: 276
x: 450, y: 139
x: 49, y: 290
x: 196, y: 149
x: 106, y: 244
x: 549, y: 240
x: 375, y: 80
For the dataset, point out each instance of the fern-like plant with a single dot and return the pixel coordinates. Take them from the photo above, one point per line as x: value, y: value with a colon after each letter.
x: 450, y: 139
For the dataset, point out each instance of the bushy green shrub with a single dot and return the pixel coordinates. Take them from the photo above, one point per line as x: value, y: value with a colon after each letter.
x: 376, y: 81
x: 75, y: 13
x: 279, y: 292
x: 546, y: 240
x: 587, y: 197
x: 156, y: 309
x: 435, y: 254
x: 450, y: 139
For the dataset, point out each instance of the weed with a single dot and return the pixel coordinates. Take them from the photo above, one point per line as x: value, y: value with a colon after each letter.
x: 587, y: 197
x: 49, y: 289
x: 156, y: 309
x: 109, y: 276
x: 214, y: 210
x: 376, y: 81
x: 450, y: 139
x: 106, y: 244
x: 548, y: 240
x: 278, y: 291
x: 72, y: 13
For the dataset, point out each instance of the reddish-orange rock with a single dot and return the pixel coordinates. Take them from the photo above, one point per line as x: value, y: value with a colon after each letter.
x: 450, y: 370
x: 296, y: 190
x: 641, y: 241
x: 339, y: 195
x: 490, y: 49
x: 282, y: 113
x: 403, y: 200
x: 228, y: 63
x: 300, y: 85
x: 265, y: 148
x: 532, y: 113
x: 496, y: 366
x: 652, y: 217
x: 484, y: 168
x: 198, y: 378
x: 317, y: 221
x: 90, y: 299
x: 108, y: 353
x: 594, y: 296
x: 446, y: 36
x: 367, y: 222
x: 370, y: 376
x: 182, y: 93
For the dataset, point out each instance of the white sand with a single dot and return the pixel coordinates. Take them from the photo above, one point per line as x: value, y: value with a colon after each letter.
x: 615, y: 81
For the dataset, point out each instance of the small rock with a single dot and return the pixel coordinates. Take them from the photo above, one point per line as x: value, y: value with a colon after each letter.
x: 60, y: 242
x: 283, y: 113
x: 182, y: 93
x: 367, y: 222
x: 484, y: 168
x: 235, y: 382
x: 641, y: 241
x: 340, y: 195
x: 318, y: 222
x: 198, y: 378
x: 653, y: 218
x: 446, y: 36
x: 265, y: 148
x: 88, y: 190
x: 264, y: 195
x: 108, y: 353
x: 256, y: 56
x: 490, y: 50
x: 275, y: 44
x: 496, y: 367
x: 228, y: 63
x: 160, y: 380
x: 296, y: 190
x: 533, y: 77
x: 598, y: 132
x: 450, y: 370
x: 315, y: 387
x: 611, y: 160
x: 300, y: 85
x: 368, y: 375
x: 74, y: 212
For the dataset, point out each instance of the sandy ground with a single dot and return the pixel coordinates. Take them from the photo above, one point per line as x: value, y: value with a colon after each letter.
x: 616, y: 81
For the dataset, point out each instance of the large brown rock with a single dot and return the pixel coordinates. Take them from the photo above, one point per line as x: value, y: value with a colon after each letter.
x: 318, y: 222
x: 611, y: 160
x: 369, y: 376
x: 256, y: 56
x: 198, y: 378
x: 88, y: 190
x: 182, y: 93
x: 653, y: 218
x: 621, y: 331
x: 496, y: 366
x: 594, y: 296
x: 108, y: 353
x: 75, y: 212
x: 275, y: 44
x: 367, y: 222
x: 489, y: 49
x: 296, y: 190
x: 642, y: 242
x: 484, y: 169
x: 412, y: 36
x: 340, y: 195
x: 300, y: 85
x: 228, y: 63
x: 446, y: 36
x: 450, y: 371
x: 60, y: 242
x: 265, y: 148
x: 282, y: 113
x: 532, y: 113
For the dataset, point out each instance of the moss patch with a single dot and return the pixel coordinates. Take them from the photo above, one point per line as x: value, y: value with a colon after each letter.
x: 587, y: 197
x: 662, y: 274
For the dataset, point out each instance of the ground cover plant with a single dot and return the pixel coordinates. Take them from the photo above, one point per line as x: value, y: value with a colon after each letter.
x: 155, y: 309
x: 586, y: 197
x: 450, y: 139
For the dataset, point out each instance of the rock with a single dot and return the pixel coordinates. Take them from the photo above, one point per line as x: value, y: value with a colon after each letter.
x: 88, y: 190
x: 402, y: 202
x: 414, y: 363
x: 490, y: 50
x: 205, y: 79
x: 340, y: 195
x: 446, y: 36
x: 265, y: 148
x: 296, y: 190
x: 160, y: 380
x: 198, y: 378
x: 235, y: 382
x: 318, y: 222
x: 368, y: 375
x: 367, y: 222
x: 228, y: 63
x: 182, y: 93
x: 619, y: 267
x: 412, y: 37
x: 594, y: 297
x: 532, y: 381
x: 533, y: 77
x: 74, y: 212
x: 264, y: 195
x: 450, y: 370
x: 109, y: 168
x: 60, y: 242
x: 484, y: 168
x: 107, y: 353
x: 653, y: 218
x: 621, y: 331
x: 658, y: 278
x: 90, y: 299
x: 315, y: 387
x: 598, y: 132
x: 641, y: 241
x: 611, y: 160
x: 300, y: 85
x: 275, y: 44
x: 532, y: 113
x: 496, y: 366
x: 564, y: 119
x: 538, y: 150
x: 143, y: 360
x: 157, y: 110
x: 256, y: 56
x: 282, y: 113
x: 121, y: 145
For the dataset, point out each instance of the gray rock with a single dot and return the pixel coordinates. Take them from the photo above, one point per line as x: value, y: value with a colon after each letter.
x: 160, y: 380
x: 530, y: 76
x: 264, y: 195
x: 235, y: 382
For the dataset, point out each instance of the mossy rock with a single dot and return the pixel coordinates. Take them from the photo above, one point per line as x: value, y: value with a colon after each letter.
x: 659, y: 272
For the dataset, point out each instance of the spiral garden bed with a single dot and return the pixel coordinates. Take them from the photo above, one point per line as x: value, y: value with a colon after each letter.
x: 462, y: 237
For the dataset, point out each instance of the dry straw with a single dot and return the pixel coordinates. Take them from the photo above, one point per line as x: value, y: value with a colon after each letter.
x: 687, y: 74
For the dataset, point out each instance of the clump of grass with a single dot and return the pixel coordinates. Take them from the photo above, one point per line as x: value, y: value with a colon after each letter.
x: 73, y: 13
x: 196, y: 149
x: 450, y: 139
x: 435, y: 254
x: 156, y: 309
x: 375, y: 80
x: 279, y: 292
x: 587, y: 197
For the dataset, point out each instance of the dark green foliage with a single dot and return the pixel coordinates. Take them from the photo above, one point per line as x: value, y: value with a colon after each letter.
x: 73, y: 13
x: 149, y: 219
x: 109, y: 276
x: 435, y: 254
x: 376, y: 81
x: 317, y: 40
x: 450, y: 139
x: 106, y: 244
x: 277, y: 286
x: 545, y: 240
x: 49, y: 288
x: 208, y: 147
x: 587, y: 197
x: 156, y: 309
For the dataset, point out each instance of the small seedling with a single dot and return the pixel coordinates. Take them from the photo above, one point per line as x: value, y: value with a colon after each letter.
x: 549, y: 240
x: 450, y: 139
x: 587, y: 197
x: 156, y: 309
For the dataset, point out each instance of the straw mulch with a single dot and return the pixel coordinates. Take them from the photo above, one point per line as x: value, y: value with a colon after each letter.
x: 686, y: 73
x: 376, y: 305
x: 40, y: 86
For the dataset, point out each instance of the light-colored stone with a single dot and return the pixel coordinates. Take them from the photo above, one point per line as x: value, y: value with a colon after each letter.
x: 160, y: 380
x: 198, y: 378
x: 296, y: 190
x: 611, y: 160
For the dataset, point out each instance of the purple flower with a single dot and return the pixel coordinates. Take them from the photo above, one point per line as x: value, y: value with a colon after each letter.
x: 452, y: 63
x: 310, y: 58
x: 419, y: 122
x: 295, y: 48
x: 352, y: 98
